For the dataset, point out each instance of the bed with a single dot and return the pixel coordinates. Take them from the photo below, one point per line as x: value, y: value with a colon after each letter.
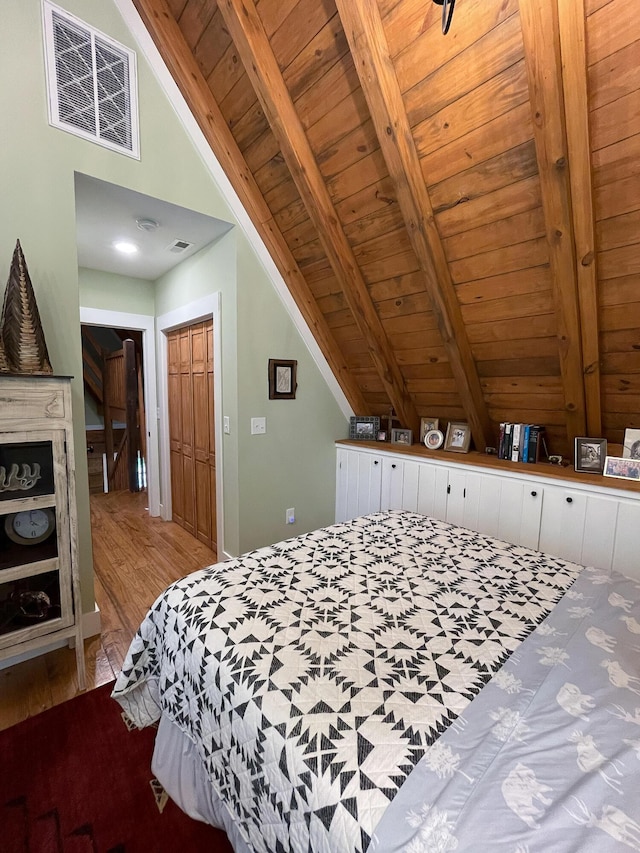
x: 396, y: 683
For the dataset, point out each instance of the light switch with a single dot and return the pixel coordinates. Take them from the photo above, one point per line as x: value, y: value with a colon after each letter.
x: 258, y: 426
x: 227, y: 426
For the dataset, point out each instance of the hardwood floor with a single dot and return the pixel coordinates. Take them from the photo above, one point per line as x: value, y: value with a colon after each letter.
x: 135, y: 557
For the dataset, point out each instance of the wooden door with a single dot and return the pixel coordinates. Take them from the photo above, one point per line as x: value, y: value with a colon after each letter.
x: 191, y: 430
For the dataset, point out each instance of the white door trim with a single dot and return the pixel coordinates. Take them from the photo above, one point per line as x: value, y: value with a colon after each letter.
x: 143, y: 323
x: 208, y: 307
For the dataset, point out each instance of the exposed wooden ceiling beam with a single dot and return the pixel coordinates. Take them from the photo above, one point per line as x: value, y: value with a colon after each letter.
x: 170, y: 42
x: 252, y: 43
x: 571, y: 17
x: 540, y: 32
x: 364, y: 30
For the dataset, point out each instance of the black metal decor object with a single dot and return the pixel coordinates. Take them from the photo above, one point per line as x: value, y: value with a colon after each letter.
x: 447, y: 13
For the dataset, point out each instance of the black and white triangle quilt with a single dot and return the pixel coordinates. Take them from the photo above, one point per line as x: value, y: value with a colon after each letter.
x: 312, y: 675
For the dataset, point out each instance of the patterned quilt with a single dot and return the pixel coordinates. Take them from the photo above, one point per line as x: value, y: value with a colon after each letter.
x: 313, y: 675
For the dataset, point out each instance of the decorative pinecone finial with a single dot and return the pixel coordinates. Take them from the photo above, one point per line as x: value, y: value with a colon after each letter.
x: 25, y: 350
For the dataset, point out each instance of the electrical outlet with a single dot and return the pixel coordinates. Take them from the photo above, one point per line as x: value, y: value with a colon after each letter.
x: 227, y: 425
x: 258, y: 426
x: 291, y: 515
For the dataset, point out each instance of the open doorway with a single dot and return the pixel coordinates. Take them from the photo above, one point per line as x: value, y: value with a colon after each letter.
x: 121, y: 291
x: 115, y: 412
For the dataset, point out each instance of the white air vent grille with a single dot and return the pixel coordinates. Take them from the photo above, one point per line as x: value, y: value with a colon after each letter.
x: 179, y: 246
x: 91, y: 81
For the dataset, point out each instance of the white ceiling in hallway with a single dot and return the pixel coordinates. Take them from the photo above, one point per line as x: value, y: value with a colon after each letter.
x: 107, y: 213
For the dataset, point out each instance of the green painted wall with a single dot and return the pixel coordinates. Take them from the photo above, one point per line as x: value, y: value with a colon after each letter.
x: 293, y: 464
x: 108, y: 292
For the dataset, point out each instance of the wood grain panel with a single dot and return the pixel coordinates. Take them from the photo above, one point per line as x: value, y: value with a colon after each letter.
x: 532, y: 253
x: 499, y: 134
x: 502, y: 286
x: 303, y: 22
x: 325, y: 50
x: 501, y: 204
x: 541, y: 36
x: 508, y: 308
x: 609, y: 32
x: 211, y: 45
x: 194, y: 19
x: 247, y: 32
x: 499, y: 95
x: 505, y: 232
x: 384, y: 98
x: 505, y: 169
x: 615, y: 121
x: 490, y: 56
x: 614, y: 77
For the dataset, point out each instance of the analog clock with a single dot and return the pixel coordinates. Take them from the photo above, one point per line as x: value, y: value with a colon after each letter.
x: 30, y: 526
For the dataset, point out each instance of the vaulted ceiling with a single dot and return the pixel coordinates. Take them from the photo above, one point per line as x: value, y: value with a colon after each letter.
x: 457, y: 217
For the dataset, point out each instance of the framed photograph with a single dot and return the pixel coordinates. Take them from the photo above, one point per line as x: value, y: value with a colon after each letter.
x: 631, y: 446
x: 382, y: 435
x: 282, y: 379
x: 622, y: 467
x: 458, y: 437
x: 364, y: 429
x: 401, y: 436
x: 427, y: 425
x: 433, y: 439
x: 590, y: 454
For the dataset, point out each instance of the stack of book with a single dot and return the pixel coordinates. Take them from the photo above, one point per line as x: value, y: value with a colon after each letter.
x: 520, y: 442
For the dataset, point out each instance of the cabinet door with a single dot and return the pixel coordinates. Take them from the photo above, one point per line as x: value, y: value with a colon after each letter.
x: 358, y: 481
x: 481, y: 503
x: 456, y: 497
x: 600, y: 526
x: 579, y: 527
x: 520, y: 511
x: 432, y: 490
x: 625, y: 552
x: 400, y: 480
x: 562, y: 525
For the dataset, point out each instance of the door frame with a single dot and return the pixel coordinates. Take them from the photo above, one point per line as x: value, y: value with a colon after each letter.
x: 141, y: 323
x: 206, y: 308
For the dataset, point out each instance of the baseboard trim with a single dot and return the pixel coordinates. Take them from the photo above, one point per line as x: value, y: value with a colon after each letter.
x: 91, y: 622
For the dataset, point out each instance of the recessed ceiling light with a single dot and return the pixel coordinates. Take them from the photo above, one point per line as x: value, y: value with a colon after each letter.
x: 145, y: 223
x: 125, y: 247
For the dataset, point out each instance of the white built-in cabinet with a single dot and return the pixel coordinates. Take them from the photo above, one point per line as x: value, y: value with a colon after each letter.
x: 588, y: 524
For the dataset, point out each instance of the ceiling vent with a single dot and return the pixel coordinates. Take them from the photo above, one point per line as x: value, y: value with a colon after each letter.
x: 179, y: 246
x: 91, y: 81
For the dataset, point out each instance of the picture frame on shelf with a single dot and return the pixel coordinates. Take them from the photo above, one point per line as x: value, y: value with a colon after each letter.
x: 458, y: 437
x: 402, y: 436
x: 382, y: 435
x: 364, y: 428
x: 624, y: 468
x: 427, y: 425
x: 434, y: 439
x: 282, y: 379
x: 590, y: 454
x: 631, y: 446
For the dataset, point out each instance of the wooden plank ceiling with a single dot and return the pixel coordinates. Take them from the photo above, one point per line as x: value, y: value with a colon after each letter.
x: 457, y: 217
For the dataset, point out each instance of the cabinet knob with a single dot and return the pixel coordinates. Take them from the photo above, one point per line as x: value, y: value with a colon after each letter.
x: 569, y: 500
x: 375, y: 461
x: 534, y: 494
x: 394, y: 465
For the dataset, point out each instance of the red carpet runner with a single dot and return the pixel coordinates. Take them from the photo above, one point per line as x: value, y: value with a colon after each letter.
x: 74, y: 780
